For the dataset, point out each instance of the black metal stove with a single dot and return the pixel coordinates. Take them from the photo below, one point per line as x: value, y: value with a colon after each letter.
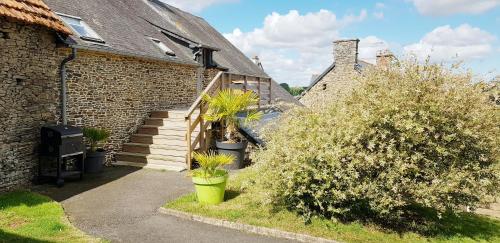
x: 62, y: 143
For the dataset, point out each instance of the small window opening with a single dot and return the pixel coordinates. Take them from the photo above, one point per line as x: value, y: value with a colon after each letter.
x: 163, y: 47
x: 4, y: 35
x: 324, y: 86
x: 81, y: 28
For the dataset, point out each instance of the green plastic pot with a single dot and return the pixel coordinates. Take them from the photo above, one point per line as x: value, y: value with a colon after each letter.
x: 210, y: 190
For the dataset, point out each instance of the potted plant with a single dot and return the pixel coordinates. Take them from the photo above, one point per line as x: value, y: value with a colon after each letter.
x: 227, y: 107
x: 95, y: 156
x: 210, y: 180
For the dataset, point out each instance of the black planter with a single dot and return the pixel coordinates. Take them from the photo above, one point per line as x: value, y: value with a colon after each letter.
x: 235, y: 149
x: 94, y: 161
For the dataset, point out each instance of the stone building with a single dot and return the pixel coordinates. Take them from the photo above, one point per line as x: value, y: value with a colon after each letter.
x: 338, y: 78
x: 120, y: 61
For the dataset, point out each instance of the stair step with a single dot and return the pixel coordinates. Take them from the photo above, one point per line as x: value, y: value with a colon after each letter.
x: 164, y: 121
x: 159, y: 139
x: 159, y: 114
x: 155, y: 149
x: 149, y: 158
x: 174, y: 166
x: 156, y: 130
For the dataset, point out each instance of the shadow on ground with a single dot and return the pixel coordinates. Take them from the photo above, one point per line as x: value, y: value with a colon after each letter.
x: 9, y: 238
x: 89, y: 182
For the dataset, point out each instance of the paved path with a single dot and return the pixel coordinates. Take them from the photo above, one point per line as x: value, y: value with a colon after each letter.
x: 120, y: 205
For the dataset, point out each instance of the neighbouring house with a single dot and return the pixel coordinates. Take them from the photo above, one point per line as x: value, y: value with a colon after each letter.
x: 337, y: 79
x: 129, y: 66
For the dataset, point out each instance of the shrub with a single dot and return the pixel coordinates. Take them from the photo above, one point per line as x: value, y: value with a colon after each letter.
x: 406, y: 140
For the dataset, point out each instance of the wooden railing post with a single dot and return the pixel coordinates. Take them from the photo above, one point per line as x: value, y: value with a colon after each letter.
x: 188, y: 140
x: 245, y: 83
x: 202, y: 130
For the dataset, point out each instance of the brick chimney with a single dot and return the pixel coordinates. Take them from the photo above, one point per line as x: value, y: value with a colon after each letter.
x: 346, y: 52
x: 384, y: 58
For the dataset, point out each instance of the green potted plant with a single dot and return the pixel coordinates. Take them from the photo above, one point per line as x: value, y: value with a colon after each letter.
x: 231, y: 108
x: 210, y: 180
x: 95, y: 155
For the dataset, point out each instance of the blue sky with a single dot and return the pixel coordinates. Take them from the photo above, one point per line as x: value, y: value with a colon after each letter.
x: 294, y: 38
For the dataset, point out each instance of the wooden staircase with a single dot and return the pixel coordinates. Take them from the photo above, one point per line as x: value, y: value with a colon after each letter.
x: 158, y: 144
x: 168, y: 138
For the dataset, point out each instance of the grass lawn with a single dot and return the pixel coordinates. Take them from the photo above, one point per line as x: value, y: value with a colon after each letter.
x: 30, y: 217
x: 242, y: 207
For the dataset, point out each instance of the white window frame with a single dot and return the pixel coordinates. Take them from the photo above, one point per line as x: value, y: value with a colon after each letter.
x: 95, y: 36
x: 164, y: 48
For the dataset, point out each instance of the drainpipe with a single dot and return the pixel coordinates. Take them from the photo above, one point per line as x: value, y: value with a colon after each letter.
x: 198, y: 56
x: 62, y: 70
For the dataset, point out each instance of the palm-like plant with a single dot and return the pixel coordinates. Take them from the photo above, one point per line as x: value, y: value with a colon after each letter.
x: 210, y: 164
x: 95, y: 136
x: 225, y: 106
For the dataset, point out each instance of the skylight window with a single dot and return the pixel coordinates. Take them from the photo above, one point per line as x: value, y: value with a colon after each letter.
x: 81, y: 28
x: 163, y: 47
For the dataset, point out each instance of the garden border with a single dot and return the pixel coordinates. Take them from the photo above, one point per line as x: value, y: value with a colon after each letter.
x: 245, y: 227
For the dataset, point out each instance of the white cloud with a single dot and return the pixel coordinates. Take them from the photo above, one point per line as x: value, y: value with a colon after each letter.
x: 379, y: 5
x: 445, y: 44
x: 448, y: 7
x: 369, y: 46
x: 378, y: 15
x: 195, y: 5
x: 294, y: 46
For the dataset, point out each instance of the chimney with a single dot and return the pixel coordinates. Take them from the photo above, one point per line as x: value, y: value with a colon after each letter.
x: 346, y: 52
x: 385, y: 58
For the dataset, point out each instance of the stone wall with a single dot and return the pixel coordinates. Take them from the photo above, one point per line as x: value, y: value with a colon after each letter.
x: 117, y: 93
x: 28, y: 98
x: 340, y: 80
x: 104, y: 90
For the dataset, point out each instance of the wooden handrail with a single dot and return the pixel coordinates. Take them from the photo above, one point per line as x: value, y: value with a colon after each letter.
x: 217, y: 83
x: 198, y: 100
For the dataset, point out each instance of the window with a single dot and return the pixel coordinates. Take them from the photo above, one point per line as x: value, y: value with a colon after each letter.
x: 324, y: 86
x: 163, y: 47
x: 208, y: 58
x: 81, y: 28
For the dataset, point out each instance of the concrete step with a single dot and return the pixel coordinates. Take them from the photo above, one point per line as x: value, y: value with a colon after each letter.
x: 177, y: 113
x: 149, y: 158
x: 164, y: 130
x: 159, y: 139
x: 164, y: 121
x: 155, y: 149
x: 159, y: 114
x: 173, y: 166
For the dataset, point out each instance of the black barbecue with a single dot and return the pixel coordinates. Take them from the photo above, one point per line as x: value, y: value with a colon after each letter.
x: 65, y: 145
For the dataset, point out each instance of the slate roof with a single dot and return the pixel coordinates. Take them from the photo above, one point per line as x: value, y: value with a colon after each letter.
x: 126, y: 25
x: 32, y: 12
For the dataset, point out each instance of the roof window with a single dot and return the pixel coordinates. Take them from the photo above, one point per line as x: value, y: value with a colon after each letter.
x: 163, y: 47
x: 81, y: 28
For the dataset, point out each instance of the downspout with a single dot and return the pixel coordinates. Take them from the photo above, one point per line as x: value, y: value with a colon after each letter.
x: 62, y: 72
x: 198, y: 56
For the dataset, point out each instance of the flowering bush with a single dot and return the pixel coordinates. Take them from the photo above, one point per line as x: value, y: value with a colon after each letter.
x: 408, y: 138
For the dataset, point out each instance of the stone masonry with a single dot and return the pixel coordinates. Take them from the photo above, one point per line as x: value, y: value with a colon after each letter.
x: 105, y: 90
x: 340, y: 79
x: 28, y: 98
x: 117, y: 93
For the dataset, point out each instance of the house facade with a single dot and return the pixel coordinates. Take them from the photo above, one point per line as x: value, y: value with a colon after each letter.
x: 119, y: 60
x: 339, y: 78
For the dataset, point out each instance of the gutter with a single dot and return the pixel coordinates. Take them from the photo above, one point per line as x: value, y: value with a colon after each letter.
x: 62, y: 73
